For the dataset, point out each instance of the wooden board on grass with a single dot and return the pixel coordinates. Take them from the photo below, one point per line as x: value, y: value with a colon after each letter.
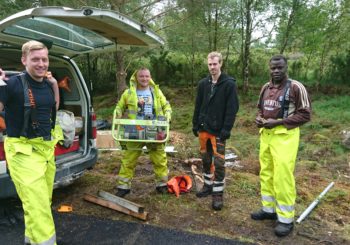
x: 114, y: 206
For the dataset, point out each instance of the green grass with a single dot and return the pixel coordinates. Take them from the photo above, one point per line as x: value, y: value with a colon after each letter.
x: 243, y: 185
x: 336, y: 195
x: 332, y: 109
x: 182, y: 118
x: 104, y: 106
x: 105, y: 113
x: 321, y: 159
x: 320, y: 139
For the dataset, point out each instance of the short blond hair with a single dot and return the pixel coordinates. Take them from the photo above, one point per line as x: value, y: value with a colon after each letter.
x: 32, y: 45
x: 143, y: 69
x: 211, y: 55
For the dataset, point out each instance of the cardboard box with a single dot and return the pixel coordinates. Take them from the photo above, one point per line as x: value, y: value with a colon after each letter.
x: 79, y: 125
x: 59, y: 150
x: 105, y: 139
x: 3, y: 168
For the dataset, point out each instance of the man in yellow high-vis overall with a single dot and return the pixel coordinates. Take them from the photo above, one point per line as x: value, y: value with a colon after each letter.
x: 30, y: 101
x: 143, y: 99
x: 283, y: 106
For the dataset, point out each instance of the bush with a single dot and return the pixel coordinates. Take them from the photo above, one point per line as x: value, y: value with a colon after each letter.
x: 339, y: 71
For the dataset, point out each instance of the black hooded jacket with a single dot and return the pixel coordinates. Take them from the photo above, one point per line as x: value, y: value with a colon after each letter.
x: 216, y: 105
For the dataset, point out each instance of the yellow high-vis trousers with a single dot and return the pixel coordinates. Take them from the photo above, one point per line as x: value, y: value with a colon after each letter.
x: 157, y: 155
x: 278, y: 152
x: 32, y: 167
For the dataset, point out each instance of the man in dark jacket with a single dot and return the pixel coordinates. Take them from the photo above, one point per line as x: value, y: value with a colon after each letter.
x: 213, y: 118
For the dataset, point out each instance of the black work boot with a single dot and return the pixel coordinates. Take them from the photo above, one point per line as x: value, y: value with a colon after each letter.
x: 122, y: 192
x: 218, y: 201
x: 283, y: 229
x: 162, y: 189
x: 261, y: 215
x: 206, y: 191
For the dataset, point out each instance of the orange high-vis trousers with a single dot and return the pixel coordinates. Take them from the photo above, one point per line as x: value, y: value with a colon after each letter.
x: 212, y: 151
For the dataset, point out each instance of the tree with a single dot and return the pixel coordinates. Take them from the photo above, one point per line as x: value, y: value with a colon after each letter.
x: 251, y: 12
x: 247, y: 29
x: 9, y: 7
x: 198, y: 27
x: 293, y: 7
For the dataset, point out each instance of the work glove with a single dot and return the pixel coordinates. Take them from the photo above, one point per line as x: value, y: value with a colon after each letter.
x: 118, y: 114
x: 195, y: 132
x: 224, y: 134
x: 162, y: 118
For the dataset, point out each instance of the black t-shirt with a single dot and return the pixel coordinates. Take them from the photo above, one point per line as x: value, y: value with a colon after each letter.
x: 12, y: 96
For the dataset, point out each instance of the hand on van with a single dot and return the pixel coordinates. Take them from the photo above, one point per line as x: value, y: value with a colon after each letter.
x: 2, y: 78
x: 54, y: 85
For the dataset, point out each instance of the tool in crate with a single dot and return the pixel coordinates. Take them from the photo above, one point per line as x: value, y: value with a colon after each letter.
x: 148, y: 130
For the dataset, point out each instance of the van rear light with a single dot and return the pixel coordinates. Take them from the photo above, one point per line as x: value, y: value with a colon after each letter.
x: 3, y: 167
x: 93, y: 125
x: 2, y: 150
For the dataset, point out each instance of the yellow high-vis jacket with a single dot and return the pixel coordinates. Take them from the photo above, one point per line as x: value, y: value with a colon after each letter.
x: 128, y: 101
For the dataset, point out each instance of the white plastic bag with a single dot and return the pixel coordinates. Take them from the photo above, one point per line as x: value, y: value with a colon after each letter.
x: 67, y: 122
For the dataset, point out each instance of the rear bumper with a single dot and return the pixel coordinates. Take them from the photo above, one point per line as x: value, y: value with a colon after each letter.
x: 65, y: 174
x: 7, y: 188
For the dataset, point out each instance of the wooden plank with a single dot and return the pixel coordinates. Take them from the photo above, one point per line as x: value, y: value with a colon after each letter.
x: 114, y: 206
x: 197, y: 178
x: 230, y: 156
x: 122, y: 202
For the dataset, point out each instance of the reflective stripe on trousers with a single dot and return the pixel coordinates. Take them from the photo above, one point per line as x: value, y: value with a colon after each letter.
x: 51, y: 241
x: 212, y: 150
x: 278, y: 151
x: 218, y: 186
x: 158, y: 157
x: 32, y: 166
x: 208, y: 179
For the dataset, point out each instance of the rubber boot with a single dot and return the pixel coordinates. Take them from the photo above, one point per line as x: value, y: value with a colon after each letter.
x: 218, y: 201
x: 262, y: 215
x: 206, y: 191
x: 283, y: 229
x: 122, y: 192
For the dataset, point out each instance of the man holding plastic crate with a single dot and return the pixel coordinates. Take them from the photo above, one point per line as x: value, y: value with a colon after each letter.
x: 143, y: 100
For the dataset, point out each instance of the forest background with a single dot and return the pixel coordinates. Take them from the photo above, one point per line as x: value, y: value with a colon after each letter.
x: 312, y: 34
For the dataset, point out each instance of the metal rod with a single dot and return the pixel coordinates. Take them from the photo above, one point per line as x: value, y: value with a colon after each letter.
x: 314, y: 203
